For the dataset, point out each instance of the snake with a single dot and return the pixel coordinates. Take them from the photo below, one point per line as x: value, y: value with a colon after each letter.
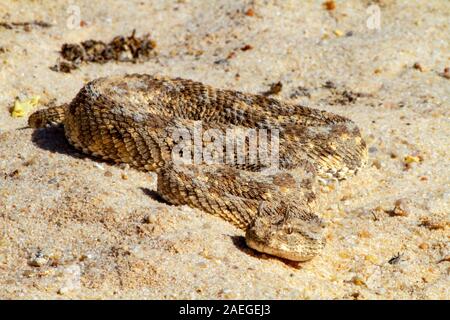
x: 250, y: 159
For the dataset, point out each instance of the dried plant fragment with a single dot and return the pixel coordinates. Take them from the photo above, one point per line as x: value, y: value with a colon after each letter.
x: 123, y: 49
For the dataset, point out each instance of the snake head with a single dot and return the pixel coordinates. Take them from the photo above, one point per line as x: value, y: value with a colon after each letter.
x: 36, y: 120
x: 297, y: 236
x: 49, y: 117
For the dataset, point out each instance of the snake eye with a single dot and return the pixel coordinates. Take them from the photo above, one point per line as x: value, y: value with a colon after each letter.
x: 289, y: 230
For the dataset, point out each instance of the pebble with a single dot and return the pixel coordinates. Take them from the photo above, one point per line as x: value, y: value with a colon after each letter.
x: 38, y: 262
x: 72, y: 274
x: 85, y: 257
x: 364, y: 234
x: 250, y: 12
x: 329, y: 5
x: 64, y: 290
x: 358, y: 281
x: 411, y: 159
x: 372, y: 259
x: 338, y: 33
x: 28, y: 273
x: 98, y: 166
x: 446, y: 73
x: 377, y: 164
x: 124, y: 166
x: 418, y: 66
x: 432, y: 225
x: 401, y: 208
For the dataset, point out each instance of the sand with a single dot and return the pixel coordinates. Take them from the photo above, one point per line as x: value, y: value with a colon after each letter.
x: 73, y: 227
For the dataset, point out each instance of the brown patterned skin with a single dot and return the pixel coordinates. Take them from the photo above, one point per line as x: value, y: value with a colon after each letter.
x: 133, y: 118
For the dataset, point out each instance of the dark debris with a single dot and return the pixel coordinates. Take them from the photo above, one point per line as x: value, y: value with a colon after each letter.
x: 300, y: 92
x: 275, y: 88
x: 395, y: 259
x: 27, y: 26
x: 123, y: 49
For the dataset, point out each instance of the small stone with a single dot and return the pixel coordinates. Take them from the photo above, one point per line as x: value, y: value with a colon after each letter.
x: 411, y: 159
x: 227, y: 294
x: 246, y: 47
x: 205, y: 254
x: 38, y: 261
x: 28, y: 273
x: 250, y: 12
x: 400, y: 208
x: 329, y: 85
x: 338, y: 33
x: 358, y: 281
x: 124, y: 166
x: 275, y: 88
x: 329, y: 5
x: 14, y: 174
x: 364, y: 234
x: 64, y: 290
x: 377, y: 164
x: 108, y: 174
x: 124, y: 176
x: 85, y: 257
x: 300, y: 92
x: 391, y: 105
x: 432, y: 225
x: 149, y: 219
x: 423, y: 246
x: 355, y: 295
x: 98, y: 166
x: 371, y: 258
x: 30, y: 162
x: 231, y: 55
x: 446, y: 73
x: 418, y: 66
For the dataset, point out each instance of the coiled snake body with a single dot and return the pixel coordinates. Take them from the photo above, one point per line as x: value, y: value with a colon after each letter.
x: 136, y: 119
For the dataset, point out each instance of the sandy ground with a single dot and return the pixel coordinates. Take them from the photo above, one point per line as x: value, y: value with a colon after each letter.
x: 73, y: 227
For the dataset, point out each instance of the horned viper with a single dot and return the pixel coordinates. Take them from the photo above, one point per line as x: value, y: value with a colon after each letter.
x: 135, y: 119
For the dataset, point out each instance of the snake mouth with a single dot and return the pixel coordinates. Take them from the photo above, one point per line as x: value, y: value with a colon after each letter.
x: 280, y: 251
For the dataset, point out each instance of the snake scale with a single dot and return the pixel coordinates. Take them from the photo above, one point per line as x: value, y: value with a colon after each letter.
x: 134, y: 118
